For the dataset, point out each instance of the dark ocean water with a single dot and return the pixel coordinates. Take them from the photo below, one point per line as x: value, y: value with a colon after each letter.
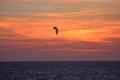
x: 72, y: 70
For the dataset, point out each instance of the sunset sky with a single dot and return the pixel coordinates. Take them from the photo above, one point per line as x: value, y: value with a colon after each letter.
x: 89, y: 30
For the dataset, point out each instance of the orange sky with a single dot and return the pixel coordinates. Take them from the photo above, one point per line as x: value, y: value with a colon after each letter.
x: 27, y: 27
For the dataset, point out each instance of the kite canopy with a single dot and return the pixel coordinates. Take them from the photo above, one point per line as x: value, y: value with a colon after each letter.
x: 56, y: 30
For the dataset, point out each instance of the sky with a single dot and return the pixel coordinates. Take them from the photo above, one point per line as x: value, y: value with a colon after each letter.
x: 88, y: 30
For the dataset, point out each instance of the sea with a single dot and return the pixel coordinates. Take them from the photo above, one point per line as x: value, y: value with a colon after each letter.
x: 60, y: 70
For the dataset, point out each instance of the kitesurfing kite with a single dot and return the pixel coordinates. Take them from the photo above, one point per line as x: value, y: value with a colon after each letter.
x: 56, y: 30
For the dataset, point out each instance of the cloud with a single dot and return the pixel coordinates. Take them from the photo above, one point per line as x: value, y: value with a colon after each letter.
x: 96, y: 30
x: 6, y: 33
x: 95, y: 35
x: 81, y: 50
x: 71, y: 1
x: 89, y: 30
x: 20, y: 0
x: 88, y: 14
x: 50, y: 49
x: 61, y: 1
x: 47, y: 6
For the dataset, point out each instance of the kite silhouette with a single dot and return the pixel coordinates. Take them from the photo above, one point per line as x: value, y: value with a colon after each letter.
x: 56, y: 30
